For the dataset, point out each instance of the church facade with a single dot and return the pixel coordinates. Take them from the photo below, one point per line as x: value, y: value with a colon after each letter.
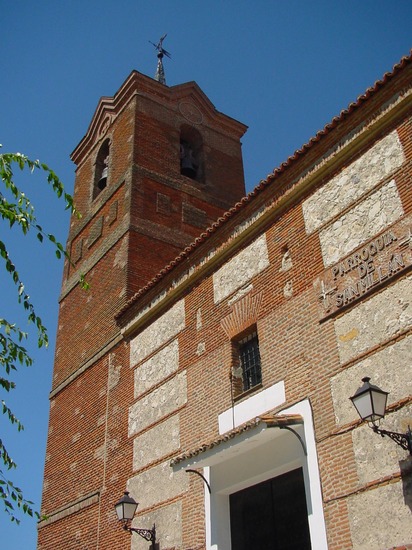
x: 208, y: 369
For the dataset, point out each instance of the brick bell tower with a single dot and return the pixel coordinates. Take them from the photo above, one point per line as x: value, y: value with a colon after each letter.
x: 157, y: 165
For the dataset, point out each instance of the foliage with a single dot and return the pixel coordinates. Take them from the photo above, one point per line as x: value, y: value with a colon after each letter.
x: 17, y: 212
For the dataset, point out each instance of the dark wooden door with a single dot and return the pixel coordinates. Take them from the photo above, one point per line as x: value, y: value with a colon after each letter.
x: 271, y: 515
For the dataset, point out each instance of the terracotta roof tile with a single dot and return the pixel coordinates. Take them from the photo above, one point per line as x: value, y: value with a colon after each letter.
x: 271, y: 421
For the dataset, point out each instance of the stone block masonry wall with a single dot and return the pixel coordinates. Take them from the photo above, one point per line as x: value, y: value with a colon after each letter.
x: 160, y: 389
x: 84, y: 473
x: 130, y: 230
x: 353, y: 182
x: 183, y: 360
x: 238, y: 271
x: 369, y: 218
x: 372, y: 337
x: 188, y: 343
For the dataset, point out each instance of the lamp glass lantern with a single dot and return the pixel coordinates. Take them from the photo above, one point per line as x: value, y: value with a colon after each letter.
x: 370, y: 401
x: 126, y: 507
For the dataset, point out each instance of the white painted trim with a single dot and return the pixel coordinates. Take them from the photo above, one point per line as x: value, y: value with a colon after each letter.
x: 220, y: 530
x: 316, y: 518
x: 257, y: 404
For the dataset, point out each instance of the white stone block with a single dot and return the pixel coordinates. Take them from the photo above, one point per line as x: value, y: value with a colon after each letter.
x: 376, y: 456
x: 380, y: 518
x: 157, y: 485
x: 159, y: 403
x: 158, y: 333
x: 382, y: 317
x: 158, y: 367
x: 364, y: 221
x: 388, y: 368
x: 239, y: 270
x: 168, y: 522
x: 353, y: 182
x: 156, y: 443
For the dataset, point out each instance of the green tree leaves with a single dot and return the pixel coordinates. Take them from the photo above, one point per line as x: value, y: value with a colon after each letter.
x: 17, y: 212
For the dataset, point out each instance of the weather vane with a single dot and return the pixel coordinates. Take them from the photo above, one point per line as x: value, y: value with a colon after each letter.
x: 160, y: 74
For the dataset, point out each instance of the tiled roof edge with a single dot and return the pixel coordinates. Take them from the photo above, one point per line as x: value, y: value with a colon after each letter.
x: 271, y: 420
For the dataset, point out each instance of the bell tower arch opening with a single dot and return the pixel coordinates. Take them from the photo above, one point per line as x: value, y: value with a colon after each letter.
x: 101, y: 168
x: 191, y: 153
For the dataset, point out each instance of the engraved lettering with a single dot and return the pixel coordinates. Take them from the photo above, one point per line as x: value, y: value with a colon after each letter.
x: 364, y: 270
x: 372, y: 249
x: 365, y: 254
x: 397, y: 262
x: 381, y: 276
x: 380, y: 243
x: 339, y: 300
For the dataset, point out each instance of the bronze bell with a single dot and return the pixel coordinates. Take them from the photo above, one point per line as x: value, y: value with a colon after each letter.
x: 188, y: 165
x: 101, y: 184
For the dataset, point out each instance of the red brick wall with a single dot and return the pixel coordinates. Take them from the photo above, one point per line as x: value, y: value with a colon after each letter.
x: 88, y: 452
x: 124, y: 237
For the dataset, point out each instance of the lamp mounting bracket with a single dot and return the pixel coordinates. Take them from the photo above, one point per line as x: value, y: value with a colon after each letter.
x: 403, y: 440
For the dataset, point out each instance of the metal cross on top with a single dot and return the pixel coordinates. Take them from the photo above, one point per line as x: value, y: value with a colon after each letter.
x: 160, y: 74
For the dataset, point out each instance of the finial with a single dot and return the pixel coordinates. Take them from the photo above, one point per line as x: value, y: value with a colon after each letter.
x: 160, y: 74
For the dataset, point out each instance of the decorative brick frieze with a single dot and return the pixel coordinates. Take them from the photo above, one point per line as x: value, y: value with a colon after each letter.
x: 245, y: 313
x: 77, y: 251
x: 95, y: 233
x: 163, y: 204
x: 113, y: 211
x: 194, y: 216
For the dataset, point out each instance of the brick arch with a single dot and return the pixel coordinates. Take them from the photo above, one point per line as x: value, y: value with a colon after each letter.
x: 245, y: 313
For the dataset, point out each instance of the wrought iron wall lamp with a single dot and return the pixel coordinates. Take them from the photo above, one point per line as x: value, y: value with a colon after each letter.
x: 126, y: 509
x: 370, y: 402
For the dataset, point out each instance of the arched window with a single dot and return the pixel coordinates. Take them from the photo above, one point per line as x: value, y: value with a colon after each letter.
x: 191, y: 153
x: 101, y: 168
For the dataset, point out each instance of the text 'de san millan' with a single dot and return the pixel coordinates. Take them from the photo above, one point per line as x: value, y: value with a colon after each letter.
x: 372, y: 265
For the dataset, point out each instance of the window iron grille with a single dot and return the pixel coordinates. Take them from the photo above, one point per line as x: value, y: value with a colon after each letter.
x: 249, y: 358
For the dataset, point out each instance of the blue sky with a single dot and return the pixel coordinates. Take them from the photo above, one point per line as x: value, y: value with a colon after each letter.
x: 284, y: 68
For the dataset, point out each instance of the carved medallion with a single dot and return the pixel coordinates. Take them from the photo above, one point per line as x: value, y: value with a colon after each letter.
x: 191, y: 112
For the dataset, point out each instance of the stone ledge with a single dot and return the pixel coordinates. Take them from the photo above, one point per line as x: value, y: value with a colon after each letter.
x: 76, y: 506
